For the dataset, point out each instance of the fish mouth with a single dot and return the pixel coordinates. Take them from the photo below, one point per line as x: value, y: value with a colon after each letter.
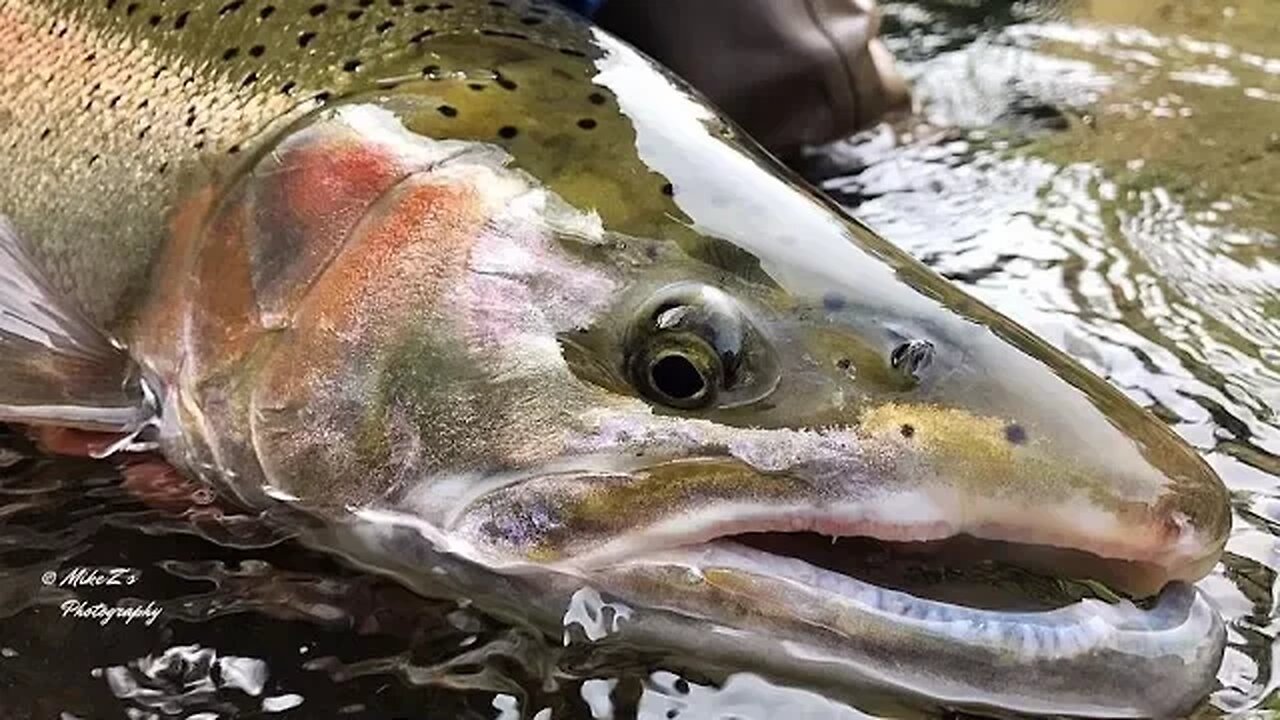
x: 959, y: 621
x: 1032, y: 617
x: 1137, y: 560
x: 1088, y: 658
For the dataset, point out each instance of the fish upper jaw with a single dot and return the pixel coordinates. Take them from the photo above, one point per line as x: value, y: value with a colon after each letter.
x: 588, y: 521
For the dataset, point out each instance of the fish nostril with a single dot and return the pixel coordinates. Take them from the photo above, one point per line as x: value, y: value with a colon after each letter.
x: 1015, y: 434
x: 911, y: 358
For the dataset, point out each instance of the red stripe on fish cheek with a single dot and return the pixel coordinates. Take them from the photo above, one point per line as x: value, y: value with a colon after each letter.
x: 317, y: 179
x: 223, y: 324
x: 156, y: 336
x: 307, y: 200
x: 401, y: 255
x: 320, y: 385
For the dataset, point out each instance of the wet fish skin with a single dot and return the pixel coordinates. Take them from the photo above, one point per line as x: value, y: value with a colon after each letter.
x: 109, y: 107
x: 428, y: 291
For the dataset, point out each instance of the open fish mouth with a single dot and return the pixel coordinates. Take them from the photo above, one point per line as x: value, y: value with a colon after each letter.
x: 1028, y: 619
x: 1139, y: 565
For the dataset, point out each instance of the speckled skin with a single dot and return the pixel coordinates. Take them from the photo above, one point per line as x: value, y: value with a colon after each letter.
x: 107, y: 108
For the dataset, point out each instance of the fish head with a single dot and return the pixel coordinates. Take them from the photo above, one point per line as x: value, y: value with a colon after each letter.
x: 576, y: 333
x: 609, y: 336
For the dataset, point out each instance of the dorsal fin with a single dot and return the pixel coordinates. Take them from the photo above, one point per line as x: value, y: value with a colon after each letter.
x: 56, y: 367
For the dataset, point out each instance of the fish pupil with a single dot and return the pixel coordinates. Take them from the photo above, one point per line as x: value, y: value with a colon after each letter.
x: 677, y: 377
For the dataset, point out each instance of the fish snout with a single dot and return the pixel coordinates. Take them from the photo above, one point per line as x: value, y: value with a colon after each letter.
x: 1134, y: 509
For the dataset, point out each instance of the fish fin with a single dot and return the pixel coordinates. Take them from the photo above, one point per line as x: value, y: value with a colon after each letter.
x: 56, y: 366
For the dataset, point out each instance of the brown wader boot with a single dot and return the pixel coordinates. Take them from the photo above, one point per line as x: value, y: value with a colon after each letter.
x: 790, y: 72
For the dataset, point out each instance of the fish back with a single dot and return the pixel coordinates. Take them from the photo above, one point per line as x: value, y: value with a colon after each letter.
x: 111, y: 110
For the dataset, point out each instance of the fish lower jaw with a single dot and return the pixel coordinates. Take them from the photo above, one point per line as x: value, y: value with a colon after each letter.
x: 1087, y: 658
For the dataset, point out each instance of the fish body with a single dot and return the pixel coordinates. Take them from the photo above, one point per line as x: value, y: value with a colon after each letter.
x: 481, y: 273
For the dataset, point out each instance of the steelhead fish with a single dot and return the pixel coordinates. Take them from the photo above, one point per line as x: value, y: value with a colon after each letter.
x: 482, y: 273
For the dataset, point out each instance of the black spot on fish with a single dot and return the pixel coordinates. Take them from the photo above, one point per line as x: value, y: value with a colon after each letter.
x: 44, y: 134
x: 257, y: 50
x: 597, y: 99
x: 672, y: 714
x: 365, y: 3
x: 508, y: 132
x: 385, y: 25
x: 1015, y: 434
x: 355, y: 15
x: 249, y: 79
x: 530, y: 20
x: 477, y: 87
x: 395, y: 3
x: 131, y: 8
x: 115, y: 101
x: 421, y: 8
x: 908, y: 430
x: 231, y: 7
x: 497, y: 3
x: 305, y: 38
x: 154, y: 20
x: 833, y: 301
x: 142, y: 134
x: 323, y: 96
x: 266, y: 12
x: 288, y: 87
x: 504, y: 82
x: 94, y: 159
x: 587, y: 124
x: 318, y: 10
x: 444, y: 6
x: 422, y: 36
x: 448, y: 111
x: 351, y: 65
x: 111, y: 4
x: 668, y: 189
x: 230, y: 53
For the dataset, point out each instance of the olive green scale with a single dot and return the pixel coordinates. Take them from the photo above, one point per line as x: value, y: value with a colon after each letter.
x: 109, y: 108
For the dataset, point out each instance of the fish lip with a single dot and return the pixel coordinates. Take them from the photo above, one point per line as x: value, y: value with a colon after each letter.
x: 1173, y: 646
x: 1180, y: 555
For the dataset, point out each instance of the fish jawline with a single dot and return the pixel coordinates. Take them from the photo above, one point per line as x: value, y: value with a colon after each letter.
x: 1154, y: 661
x: 1089, y: 658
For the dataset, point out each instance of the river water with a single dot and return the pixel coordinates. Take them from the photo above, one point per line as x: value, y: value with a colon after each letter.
x: 1107, y: 173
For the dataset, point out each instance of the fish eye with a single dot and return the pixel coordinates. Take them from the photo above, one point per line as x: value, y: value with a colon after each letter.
x: 686, y: 378
x: 692, y: 347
